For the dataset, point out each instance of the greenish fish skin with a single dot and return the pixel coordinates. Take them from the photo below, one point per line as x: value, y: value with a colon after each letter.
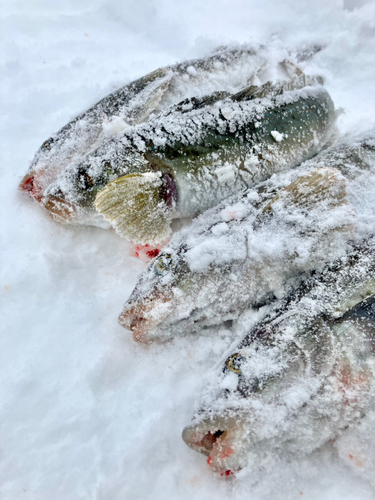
x: 299, y: 378
x: 133, y: 104
x: 228, y: 260
x: 210, y: 152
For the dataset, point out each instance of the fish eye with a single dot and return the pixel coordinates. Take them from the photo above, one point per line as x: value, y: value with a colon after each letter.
x: 107, y: 167
x: 47, y: 145
x: 164, y: 263
x: 233, y: 364
x: 85, y: 181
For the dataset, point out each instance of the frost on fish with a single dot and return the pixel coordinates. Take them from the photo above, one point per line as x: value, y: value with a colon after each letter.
x: 257, y: 245
x: 207, y: 152
x: 299, y: 378
x: 147, y: 220
x: 227, y: 68
x: 245, y: 261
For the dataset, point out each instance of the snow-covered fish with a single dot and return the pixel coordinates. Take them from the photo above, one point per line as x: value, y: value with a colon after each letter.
x: 236, y: 255
x: 193, y: 156
x: 228, y: 68
x: 299, y: 378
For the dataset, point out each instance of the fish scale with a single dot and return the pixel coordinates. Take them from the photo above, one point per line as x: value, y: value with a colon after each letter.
x: 231, y: 148
x: 134, y: 103
x: 209, y: 152
x: 299, y: 377
x: 235, y: 257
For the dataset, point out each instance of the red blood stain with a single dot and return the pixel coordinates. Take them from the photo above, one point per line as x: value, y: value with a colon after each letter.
x: 349, y: 383
x: 27, y: 185
x: 357, y: 461
x: 209, y: 460
x: 153, y: 253
x: 227, y: 473
x: 147, y: 252
x: 226, y: 452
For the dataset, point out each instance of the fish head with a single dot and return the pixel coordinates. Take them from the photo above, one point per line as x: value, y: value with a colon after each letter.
x: 67, y: 196
x: 44, y: 170
x: 259, y: 404
x: 188, y: 286
x: 164, y: 294
x: 194, y: 281
x: 35, y: 184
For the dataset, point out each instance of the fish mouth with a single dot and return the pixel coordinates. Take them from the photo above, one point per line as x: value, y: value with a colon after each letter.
x: 143, y: 316
x: 221, y: 440
x: 31, y: 187
x: 59, y: 209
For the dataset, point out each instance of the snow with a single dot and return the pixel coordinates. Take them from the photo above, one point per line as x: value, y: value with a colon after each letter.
x: 277, y: 136
x: 86, y: 412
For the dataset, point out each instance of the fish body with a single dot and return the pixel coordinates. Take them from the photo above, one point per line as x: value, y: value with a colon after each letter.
x: 299, y: 378
x: 226, y: 69
x: 257, y: 245
x: 189, y: 158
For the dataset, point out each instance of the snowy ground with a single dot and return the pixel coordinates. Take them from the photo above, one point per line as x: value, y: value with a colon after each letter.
x: 86, y: 413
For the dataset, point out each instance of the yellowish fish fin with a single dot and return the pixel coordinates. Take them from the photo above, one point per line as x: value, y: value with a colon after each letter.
x: 321, y: 185
x: 138, y: 207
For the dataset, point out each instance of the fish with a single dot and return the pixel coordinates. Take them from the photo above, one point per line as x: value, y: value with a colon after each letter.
x: 299, y: 378
x: 256, y: 246
x: 191, y: 157
x: 356, y: 447
x: 227, y: 68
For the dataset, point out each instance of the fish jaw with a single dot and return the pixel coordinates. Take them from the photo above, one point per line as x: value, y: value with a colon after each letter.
x: 33, y: 185
x: 145, y: 315
x: 60, y: 210
x: 223, y: 440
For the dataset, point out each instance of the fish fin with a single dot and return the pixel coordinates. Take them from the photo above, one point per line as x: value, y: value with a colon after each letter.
x: 321, y: 185
x: 136, y: 206
x: 290, y: 68
x: 157, y: 91
x: 272, y: 89
x: 251, y: 81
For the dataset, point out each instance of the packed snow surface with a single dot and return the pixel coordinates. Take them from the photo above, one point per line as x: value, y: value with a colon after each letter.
x: 87, y: 413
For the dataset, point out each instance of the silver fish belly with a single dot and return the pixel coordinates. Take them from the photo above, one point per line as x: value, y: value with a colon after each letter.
x: 299, y: 378
x: 235, y: 257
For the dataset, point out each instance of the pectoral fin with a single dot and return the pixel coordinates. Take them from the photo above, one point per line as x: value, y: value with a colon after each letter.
x: 138, y: 206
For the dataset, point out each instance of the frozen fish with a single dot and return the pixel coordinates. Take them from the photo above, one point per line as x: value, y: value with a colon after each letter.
x: 227, y: 68
x: 192, y: 156
x: 299, y: 378
x: 255, y: 246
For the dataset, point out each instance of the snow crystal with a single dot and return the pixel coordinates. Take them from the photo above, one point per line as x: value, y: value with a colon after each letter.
x: 277, y: 136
